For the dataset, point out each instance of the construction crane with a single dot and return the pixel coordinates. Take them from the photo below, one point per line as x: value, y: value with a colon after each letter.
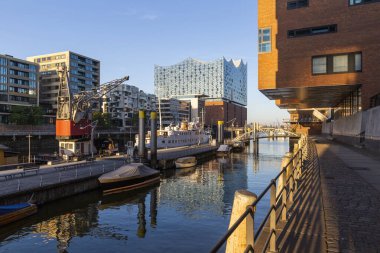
x: 74, y: 115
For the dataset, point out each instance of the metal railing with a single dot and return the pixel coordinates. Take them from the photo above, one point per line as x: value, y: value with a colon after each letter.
x: 280, y: 200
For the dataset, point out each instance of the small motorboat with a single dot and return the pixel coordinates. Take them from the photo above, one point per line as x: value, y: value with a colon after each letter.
x: 128, y: 177
x: 223, y: 150
x: 238, y: 146
x: 12, y: 213
x: 186, y: 162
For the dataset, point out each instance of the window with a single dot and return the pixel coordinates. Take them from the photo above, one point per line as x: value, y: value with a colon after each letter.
x: 312, y: 31
x: 358, y: 62
x: 297, y: 4
x: 320, y: 65
x: 265, y: 45
x: 357, y: 2
x: 3, y: 61
x: 375, y: 101
x: 340, y: 63
x: 3, y: 70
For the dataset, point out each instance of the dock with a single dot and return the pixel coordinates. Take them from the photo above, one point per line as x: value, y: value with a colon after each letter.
x: 55, y: 181
x: 174, y: 153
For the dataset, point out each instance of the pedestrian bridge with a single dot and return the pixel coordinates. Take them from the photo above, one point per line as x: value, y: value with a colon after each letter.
x: 264, y: 132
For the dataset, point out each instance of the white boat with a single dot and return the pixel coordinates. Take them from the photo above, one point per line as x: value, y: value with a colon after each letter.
x: 187, y: 134
x: 223, y: 150
x: 128, y: 177
x: 185, y: 162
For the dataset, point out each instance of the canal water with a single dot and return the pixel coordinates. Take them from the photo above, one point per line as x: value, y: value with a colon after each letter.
x: 187, y: 212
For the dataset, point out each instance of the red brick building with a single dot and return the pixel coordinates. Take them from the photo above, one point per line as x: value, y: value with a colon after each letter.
x: 226, y: 111
x: 316, y: 55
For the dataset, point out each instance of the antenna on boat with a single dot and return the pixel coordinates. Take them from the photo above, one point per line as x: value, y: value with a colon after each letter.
x: 203, y: 119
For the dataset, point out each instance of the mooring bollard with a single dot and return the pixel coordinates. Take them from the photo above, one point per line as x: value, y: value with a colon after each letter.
x: 220, y: 132
x: 282, y: 184
x: 141, y: 150
x: 153, y: 140
x: 244, y: 233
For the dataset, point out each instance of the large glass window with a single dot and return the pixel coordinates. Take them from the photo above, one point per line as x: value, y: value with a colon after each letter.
x: 356, y: 2
x: 340, y: 63
x: 320, y: 65
x: 3, y: 61
x: 349, y: 105
x: 297, y: 4
x: 3, y: 79
x: 312, y: 31
x: 3, y: 70
x: 265, y: 45
x: 358, y: 62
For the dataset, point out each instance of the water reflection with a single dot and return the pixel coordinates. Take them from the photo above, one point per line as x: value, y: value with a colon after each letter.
x: 188, y: 203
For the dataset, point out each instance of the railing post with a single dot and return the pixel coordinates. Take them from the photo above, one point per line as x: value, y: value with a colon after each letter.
x: 244, y: 234
x: 283, y: 198
x: 272, y: 219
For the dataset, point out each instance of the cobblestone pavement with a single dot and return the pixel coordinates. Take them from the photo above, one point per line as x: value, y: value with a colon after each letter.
x: 351, y: 201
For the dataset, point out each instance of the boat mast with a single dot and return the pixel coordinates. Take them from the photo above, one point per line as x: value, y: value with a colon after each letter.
x: 203, y: 119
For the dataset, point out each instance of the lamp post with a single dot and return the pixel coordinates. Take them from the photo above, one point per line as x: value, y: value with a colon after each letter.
x: 29, y: 158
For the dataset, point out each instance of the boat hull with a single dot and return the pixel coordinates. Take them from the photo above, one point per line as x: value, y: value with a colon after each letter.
x: 180, y: 165
x: 17, y: 214
x: 120, y: 185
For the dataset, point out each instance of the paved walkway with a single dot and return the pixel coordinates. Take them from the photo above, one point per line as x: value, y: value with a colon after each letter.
x: 350, y: 185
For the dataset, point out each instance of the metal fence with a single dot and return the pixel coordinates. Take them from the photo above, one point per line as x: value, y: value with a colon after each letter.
x: 281, y: 197
x: 56, y: 175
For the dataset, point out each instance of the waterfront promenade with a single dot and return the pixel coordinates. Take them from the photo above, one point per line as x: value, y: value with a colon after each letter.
x: 337, y: 206
x: 350, y: 186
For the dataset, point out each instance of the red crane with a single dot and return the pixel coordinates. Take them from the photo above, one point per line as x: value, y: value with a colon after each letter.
x: 74, y: 115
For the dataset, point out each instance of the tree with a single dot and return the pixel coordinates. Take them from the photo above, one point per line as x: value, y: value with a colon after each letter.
x: 26, y: 115
x: 104, y: 120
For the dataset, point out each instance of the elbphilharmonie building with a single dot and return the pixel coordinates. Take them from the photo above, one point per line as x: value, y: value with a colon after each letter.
x: 224, y: 82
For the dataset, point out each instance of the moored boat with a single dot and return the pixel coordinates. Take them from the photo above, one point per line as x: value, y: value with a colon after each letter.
x: 12, y: 213
x: 186, y: 162
x: 238, y: 146
x: 223, y: 150
x: 128, y: 177
x: 187, y: 134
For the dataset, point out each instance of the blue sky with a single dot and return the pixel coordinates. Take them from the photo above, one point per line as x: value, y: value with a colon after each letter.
x: 129, y: 37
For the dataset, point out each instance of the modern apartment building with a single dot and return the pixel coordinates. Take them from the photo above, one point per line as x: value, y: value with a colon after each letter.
x: 320, y: 55
x: 219, y: 80
x: 18, y: 85
x: 174, y: 111
x: 84, y: 74
x: 124, y: 102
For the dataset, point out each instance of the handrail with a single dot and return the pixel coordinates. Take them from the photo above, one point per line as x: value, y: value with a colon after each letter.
x: 290, y: 181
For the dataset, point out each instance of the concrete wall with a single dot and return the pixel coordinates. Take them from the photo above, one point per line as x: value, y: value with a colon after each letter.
x: 361, y: 128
